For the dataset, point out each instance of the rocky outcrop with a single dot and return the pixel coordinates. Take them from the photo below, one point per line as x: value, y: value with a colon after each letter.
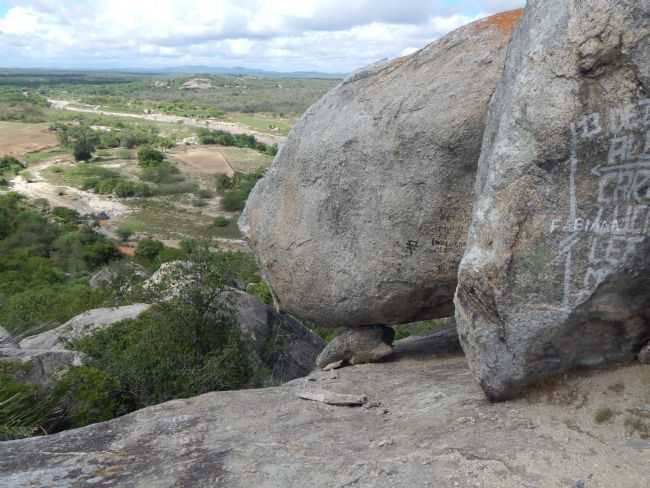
x: 362, y: 217
x: 6, y: 339
x: 41, y: 367
x: 83, y: 325
x: 445, y: 435
x: 282, y: 344
x: 556, y: 273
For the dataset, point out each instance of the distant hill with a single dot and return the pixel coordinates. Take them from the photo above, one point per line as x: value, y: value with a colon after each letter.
x: 193, y: 70
x: 237, y: 70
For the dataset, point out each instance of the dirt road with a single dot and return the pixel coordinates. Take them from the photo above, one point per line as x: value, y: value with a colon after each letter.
x: 232, y: 127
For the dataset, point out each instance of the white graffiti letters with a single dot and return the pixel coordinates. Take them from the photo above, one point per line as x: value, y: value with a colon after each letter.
x: 605, y: 227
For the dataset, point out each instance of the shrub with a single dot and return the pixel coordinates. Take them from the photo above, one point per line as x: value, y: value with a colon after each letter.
x: 149, y: 249
x: 603, y: 414
x: 65, y: 215
x: 185, y: 346
x: 221, y: 221
x: 262, y: 291
x: 87, y: 395
x: 9, y: 164
x: 125, y: 189
x: 224, y: 182
x: 149, y: 157
x: 83, y: 150
x: 42, y: 308
x: 22, y: 412
x: 124, y: 233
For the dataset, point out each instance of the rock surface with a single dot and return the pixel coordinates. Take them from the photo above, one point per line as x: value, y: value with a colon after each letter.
x: 644, y: 355
x: 6, y: 339
x: 556, y: 272
x: 282, y: 343
x: 362, y: 217
x: 43, y: 367
x: 444, y: 436
x: 82, y: 325
x: 362, y: 345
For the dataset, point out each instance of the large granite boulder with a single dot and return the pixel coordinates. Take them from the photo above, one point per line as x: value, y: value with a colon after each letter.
x: 362, y: 218
x: 556, y: 273
x: 82, y: 325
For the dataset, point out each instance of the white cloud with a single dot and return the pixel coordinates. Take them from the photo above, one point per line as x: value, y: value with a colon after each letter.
x: 331, y: 35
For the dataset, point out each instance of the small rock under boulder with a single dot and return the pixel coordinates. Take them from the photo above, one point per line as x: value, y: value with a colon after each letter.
x: 361, y: 345
x: 363, y: 216
x: 556, y: 273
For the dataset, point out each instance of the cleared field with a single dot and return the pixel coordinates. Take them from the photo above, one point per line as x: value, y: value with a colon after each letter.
x: 166, y: 221
x: 246, y: 160
x: 268, y: 123
x: 17, y: 139
x: 201, y: 160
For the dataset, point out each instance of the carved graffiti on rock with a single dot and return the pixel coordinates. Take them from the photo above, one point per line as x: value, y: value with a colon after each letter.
x: 603, y: 228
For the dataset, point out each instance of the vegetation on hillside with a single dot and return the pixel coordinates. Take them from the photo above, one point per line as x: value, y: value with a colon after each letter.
x: 45, y: 259
x: 17, y: 105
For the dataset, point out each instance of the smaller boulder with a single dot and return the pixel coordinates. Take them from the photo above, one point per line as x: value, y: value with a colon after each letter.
x: 41, y: 367
x: 282, y: 343
x: 644, y: 355
x: 361, y: 345
x: 81, y: 326
x: 108, y: 275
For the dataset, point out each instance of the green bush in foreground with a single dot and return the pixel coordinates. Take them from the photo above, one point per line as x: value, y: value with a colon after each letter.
x: 86, y: 395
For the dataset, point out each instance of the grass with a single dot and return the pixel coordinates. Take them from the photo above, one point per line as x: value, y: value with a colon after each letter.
x: 418, y: 328
x: 264, y: 122
x: 603, y: 414
x: 159, y: 218
x: 38, y: 156
x: 245, y: 160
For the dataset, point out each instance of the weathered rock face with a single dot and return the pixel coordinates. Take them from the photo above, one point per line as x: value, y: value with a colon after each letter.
x: 82, y: 325
x: 6, y: 338
x: 42, y: 367
x: 363, y: 216
x: 556, y: 271
x: 443, y: 436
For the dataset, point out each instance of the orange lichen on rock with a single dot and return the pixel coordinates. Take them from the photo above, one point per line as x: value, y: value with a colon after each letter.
x: 504, y: 21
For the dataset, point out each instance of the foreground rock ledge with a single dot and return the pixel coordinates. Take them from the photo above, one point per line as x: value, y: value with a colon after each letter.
x: 445, y: 435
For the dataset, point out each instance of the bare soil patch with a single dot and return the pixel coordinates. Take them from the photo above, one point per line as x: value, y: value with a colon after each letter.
x: 202, y: 160
x: 17, y: 139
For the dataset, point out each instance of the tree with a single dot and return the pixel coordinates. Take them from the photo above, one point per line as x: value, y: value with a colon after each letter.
x: 149, y: 249
x: 83, y: 151
x: 149, y: 157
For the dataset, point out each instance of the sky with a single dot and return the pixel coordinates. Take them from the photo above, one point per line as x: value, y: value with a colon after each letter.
x: 335, y: 36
